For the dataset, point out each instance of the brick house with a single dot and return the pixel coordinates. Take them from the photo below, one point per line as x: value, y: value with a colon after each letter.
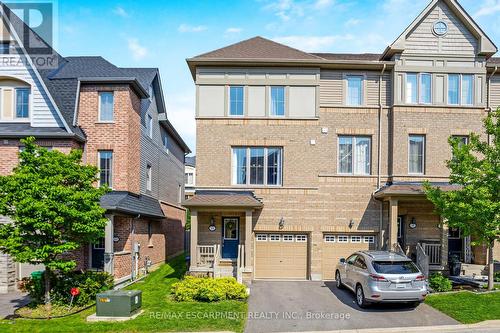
x: 321, y: 154
x: 117, y: 116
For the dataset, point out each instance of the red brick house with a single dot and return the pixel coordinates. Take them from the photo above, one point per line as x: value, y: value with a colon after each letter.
x: 117, y: 116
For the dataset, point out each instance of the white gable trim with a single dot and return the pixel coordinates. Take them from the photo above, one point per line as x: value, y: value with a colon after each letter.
x: 35, y: 70
x: 486, y: 45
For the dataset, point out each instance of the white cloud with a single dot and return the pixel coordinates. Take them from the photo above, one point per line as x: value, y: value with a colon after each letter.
x: 489, y: 7
x: 285, y: 9
x: 138, y: 51
x: 233, y: 30
x: 352, y: 22
x: 120, y: 11
x: 313, y: 43
x: 190, y: 28
x: 322, y: 4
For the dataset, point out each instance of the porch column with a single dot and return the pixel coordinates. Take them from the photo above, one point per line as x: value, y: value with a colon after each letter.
x: 444, y: 243
x: 248, y: 238
x: 194, y: 239
x: 109, y: 245
x: 393, y: 224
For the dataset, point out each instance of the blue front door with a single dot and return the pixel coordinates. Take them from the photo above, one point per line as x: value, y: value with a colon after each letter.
x: 230, y: 237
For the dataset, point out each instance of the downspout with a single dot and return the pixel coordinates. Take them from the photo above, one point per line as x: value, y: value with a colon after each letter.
x: 379, y: 157
x: 132, y: 244
x: 488, y: 100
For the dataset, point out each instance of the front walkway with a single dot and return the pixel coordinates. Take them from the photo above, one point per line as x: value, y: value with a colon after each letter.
x: 11, y: 301
x: 319, y: 306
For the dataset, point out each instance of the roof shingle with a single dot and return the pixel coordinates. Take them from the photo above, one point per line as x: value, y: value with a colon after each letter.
x: 223, y: 199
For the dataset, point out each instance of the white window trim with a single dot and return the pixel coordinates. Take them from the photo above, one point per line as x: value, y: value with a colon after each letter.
x: 329, y: 238
x: 354, y: 138
x: 271, y: 236
x: 112, y: 107
x: 266, y: 165
x: 423, y: 154
x: 353, y: 237
x: 340, y: 239
x: 261, y: 238
x: 229, y: 101
x: 369, y: 239
x: 418, y: 91
x: 288, y: 240
x: 149, y: 125
x: 271, y: 101
x: 473, y: 89
x: 99, y: 167
x: 14, y: 104
x: 148, y: 177
x: 460, y: 101
x: 363, y: 89
x: 300, y: 238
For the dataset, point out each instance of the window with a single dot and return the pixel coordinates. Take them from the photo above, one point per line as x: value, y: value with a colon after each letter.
x: 453, y: 88
x: 342, y: 239
x: 277, y: 101
x: 416, y: 146
x: 329, y: 238
x: 300, y: 238
x: 354, y: 90
x: 274, y: 238
x: 150, y: 233
x: 425, y: 88
x: 257, y: 166
x: 352, y: 259
x: 467, y: 89
x: 411, y: 88
x: 148, y: 177
x: 149, y: 125
x: 236, y: 101
x: 355, y: 239
x: 189, y: 178
x: 164, y: 140
x: 287, y: 238
x: 462, y: 140
x: 394, y: 267
x: 369, y: 239
x: 106, y: 168
x: 106, y: 104
x: 22, y: 102
x: 354, y: 155
x: 360, y: 262
x: 261, y: 237
x: 4, y: 47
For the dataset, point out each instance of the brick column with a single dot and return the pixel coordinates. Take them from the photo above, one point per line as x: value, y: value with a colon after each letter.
x: 109, y: 250
x: 194, y: 239
x: 248, y: 239
x: 393, y: 224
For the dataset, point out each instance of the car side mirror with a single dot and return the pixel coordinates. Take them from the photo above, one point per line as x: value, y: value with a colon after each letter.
x: 342, y: 260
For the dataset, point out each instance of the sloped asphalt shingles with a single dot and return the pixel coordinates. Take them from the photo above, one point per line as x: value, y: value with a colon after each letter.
x: 131, y: 203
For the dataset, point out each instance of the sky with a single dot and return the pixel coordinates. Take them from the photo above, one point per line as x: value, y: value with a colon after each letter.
x: 162, y: 34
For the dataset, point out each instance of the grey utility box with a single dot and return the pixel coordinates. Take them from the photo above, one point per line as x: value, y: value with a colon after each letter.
x: 118, y: 303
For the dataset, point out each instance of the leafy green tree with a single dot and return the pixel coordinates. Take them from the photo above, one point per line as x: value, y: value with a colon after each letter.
x: 54, y: 207
x: 475, y: 207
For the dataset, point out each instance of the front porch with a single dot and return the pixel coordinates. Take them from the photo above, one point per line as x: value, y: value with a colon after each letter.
x: 221, y: 233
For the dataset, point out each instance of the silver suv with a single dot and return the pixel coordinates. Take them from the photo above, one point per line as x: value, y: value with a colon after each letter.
x: 381, y: 276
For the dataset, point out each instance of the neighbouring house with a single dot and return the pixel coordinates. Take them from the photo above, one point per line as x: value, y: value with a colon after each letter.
x: 117, y: 116
x: 190, y: 176
x: 304, y: 158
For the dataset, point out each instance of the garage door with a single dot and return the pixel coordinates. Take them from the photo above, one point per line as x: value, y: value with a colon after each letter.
x: 336, y: 246
x: 281, y: 256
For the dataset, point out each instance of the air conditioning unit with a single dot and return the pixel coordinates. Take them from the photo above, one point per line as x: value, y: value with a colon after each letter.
x: 118, y: 303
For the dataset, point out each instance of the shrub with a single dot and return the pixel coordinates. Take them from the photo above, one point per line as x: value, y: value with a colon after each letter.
x: 439, y: 283
x: 496, y: 277
x: 89, y: 283
x: 208, y: 289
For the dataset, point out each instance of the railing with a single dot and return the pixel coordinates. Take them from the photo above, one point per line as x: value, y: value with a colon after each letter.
x: 217, y: 257
x: 240, y: 263
x: 433, y: 251
x: 422, y: 260
x: 206, y: 255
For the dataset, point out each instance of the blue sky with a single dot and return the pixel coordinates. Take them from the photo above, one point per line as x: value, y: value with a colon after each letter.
x: 164, y: 33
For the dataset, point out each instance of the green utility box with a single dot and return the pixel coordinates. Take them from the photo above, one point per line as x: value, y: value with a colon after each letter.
x: 118, y: 303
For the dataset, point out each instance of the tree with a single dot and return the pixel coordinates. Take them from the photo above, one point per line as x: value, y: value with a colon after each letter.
x: 475, y: 207
x: 54, y: 207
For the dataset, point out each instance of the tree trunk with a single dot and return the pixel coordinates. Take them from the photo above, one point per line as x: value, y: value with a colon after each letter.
x: 491, y: 267
x: 47, y: 285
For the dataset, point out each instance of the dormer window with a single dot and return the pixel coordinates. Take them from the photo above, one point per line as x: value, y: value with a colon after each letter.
x: 22, y: 102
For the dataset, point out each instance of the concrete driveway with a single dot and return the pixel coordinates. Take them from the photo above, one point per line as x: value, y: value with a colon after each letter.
x: 319, y: 306
x: 11, y: 301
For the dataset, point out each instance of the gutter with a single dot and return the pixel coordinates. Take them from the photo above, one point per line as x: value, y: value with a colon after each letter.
x: 379, y: 158
x: 44, y: 135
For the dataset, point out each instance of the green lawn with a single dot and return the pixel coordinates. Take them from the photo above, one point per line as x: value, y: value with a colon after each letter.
x: 467, y: 307
x: 160, y: 312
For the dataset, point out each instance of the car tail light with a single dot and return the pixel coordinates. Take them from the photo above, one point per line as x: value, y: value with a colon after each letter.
x: 420, y: 278
x: 377, y: 277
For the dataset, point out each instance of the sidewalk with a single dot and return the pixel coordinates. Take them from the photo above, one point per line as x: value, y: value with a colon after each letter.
x: 11, y: 301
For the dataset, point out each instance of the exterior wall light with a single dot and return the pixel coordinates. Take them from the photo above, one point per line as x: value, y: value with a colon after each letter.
x: 281, y: 223
x: 351, y: 224
x: 413, y: 223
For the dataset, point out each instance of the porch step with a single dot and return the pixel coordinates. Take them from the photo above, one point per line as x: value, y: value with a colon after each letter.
x: 472, y: 269
x: 226, y: 268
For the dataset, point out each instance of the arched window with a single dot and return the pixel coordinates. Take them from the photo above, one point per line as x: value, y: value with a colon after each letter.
x: 15, y: 99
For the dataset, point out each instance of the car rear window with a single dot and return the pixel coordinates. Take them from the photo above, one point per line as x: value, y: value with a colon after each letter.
x: 395, y: 267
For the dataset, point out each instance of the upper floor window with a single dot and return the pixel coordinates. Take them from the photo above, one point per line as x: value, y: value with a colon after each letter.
x: 106, y: 105
x: 354, y: 155
x: 277, y: 101
x: 106, y: 168
x: 462, y: 140
x: 148, y: 177
x: 236, y: 101
x: 416, y: 154
x: 418, y: 88
x: 460, y: 89
x: 189, y: 178
x: 257, y: 166
x: 149, y: 125
x: 22, y: 102
x: 165, y: 140
x: 354, y: 90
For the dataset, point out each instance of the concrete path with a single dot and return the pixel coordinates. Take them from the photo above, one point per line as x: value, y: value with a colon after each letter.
x: 11, y: 301
x: 319, y: 306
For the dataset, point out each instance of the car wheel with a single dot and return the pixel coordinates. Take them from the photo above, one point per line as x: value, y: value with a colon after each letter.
x: 339, y: 280
x: 360, y: 297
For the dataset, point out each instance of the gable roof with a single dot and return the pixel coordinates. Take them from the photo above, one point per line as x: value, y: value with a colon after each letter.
x: 190, y: 161
x: 486, y: 45
x: 257, y: 48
